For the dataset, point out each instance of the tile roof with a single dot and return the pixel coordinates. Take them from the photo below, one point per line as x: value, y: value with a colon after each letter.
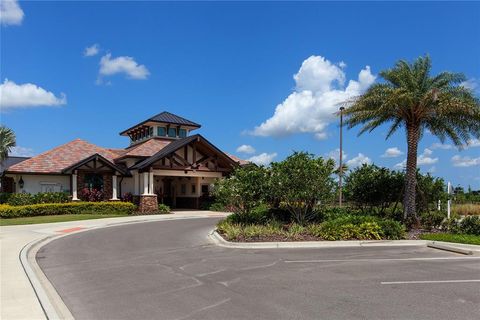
x: 237, y: 159
x: 146, y: 149
x: 64, y: 156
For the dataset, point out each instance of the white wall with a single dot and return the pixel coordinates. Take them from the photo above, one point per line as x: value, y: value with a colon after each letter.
x: 41, y: 183
x: 127, y: 185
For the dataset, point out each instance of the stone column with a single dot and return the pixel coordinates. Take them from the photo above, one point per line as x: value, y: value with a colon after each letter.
x: 145, y: 183
x: 150, y: 183
x: 114, y: 188
x: 136, y: 182
x: 74, y: 186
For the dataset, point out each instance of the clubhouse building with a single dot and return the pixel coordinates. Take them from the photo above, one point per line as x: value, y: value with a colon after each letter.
x: 164, y: 163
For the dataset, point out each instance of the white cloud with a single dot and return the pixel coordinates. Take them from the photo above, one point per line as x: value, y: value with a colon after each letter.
x: 10, y: 12
x: 91, y: 51
x: 471, y: 84
x: 21, y: 152
x: 263, y: 159
x: 392, y: 153
x: 473, y: 143
x: 126, y: 65
x: 358, y: 160
x: 245, y: 148
x: 335, y: 155
x: 27, y: 95
x: 312, y: 106
x: 466, y: 161
x: 425, y: 158
x: 443, y: 146
x: 422, y: 159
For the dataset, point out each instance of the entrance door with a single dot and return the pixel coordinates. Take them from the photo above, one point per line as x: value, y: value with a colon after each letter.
x: 167, y: 192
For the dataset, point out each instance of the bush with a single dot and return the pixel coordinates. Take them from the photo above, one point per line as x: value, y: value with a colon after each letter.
x: 20, y: 199
x: 163, y: 208
x: 470, y: 225
x: 217, y: 206
x: 331, y: 213
x: 45, y: 209
x: 391, y: 229
x: 4, y: 196
x: 258, y: 215
x: 432, y: 219
x: 93, y: 195
x: 127, y: 197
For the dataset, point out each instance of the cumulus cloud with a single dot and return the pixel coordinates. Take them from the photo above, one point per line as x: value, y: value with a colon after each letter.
x: 320, y: 87
x: 335, y: 155
x: 423, y: 159
x: 471, y: 84
x: 27, y: 95
x: 91, y: 51
x: 392, y: 153
x: 473, y: 143
x: 263, y: 159
x: 127, y: 65
x: 443, y: 146
x: 10, y: 13
x: 358, y: 161
x: 466, y: 161
x: 21, y: 152
x: 245, y: 148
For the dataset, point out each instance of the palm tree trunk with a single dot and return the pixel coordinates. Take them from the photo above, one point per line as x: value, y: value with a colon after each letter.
x: 413, y: 135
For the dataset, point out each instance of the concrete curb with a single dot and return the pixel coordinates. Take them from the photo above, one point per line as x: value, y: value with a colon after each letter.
x: 465, y: 249
x: 216, y: 238
x: 50, y: 301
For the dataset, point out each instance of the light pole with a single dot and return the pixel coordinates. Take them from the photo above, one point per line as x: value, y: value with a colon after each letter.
x: 340, y: 169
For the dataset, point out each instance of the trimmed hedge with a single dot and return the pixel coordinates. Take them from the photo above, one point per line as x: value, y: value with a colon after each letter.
x: 46, y: 209
x: 23, y: 199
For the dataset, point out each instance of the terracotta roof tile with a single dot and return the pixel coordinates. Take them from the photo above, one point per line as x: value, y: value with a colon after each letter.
x: 64, y: 156
x: 146, y: 149
x: 237, y: 159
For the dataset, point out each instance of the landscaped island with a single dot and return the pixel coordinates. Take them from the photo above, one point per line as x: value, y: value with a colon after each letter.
x: 294, y: 200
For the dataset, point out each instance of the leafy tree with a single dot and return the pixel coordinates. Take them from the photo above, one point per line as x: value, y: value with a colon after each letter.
x: 429, y: 191
x: 373, y: 189
x: 411, y: 98
x: 301, y: 182
x: 7, y: 142
x: 244, y: 190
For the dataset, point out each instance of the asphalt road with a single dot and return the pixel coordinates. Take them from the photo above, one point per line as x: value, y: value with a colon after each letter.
x: 169, y: 270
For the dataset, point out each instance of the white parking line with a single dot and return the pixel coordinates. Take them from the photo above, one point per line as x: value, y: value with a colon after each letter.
x: 381, y: 260
x: 430, y: 281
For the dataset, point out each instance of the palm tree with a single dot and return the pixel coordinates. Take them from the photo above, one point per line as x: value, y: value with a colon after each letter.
x: 7, y: 141
x: 413, y: 99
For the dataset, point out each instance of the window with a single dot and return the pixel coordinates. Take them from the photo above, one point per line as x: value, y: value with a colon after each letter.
x: 150, y: 131
x: 205, y: 190
x: 93, y: 181
x: 183, y: 189
x: 182, y: 133
x: 172, y: 132
x: 161, y: 131
x: 194, y: 189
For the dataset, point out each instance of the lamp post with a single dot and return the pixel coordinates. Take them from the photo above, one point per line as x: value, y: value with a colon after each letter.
x: 340, y: 169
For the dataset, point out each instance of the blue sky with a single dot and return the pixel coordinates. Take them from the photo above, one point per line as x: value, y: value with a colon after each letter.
x: 228, y: 66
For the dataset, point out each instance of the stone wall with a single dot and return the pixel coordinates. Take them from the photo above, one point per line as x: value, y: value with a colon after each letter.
x: 146, y: 203
x: 107, y: 186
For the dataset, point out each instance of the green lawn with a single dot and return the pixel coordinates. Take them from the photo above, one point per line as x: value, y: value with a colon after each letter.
x: 447, y: 237
x: 58, y: 218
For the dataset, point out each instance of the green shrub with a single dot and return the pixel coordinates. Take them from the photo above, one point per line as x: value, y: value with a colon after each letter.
x: 217, y: 206
x: 451, y: 225
x: 4, y: 196
x: 391, y: 229
x: 470, y: 225
x: 432, y: 219
x: 332, y: 213
x: 230, y: 230
x: 258, y: 215
x: 163, y: 208
x: 20, y: 199
x: 44, y: 209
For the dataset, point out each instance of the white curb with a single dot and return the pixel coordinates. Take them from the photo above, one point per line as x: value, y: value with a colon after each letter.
x: 216, y: 238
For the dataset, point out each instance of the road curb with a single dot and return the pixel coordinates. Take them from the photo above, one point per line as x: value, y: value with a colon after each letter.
x: 50, y: 301
x: 216, y: 238
x: 446, y: 246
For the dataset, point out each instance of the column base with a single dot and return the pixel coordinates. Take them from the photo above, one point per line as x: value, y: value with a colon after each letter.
x: 147, y: 204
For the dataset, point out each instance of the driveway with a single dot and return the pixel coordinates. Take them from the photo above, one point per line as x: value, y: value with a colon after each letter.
x: 169, y: 270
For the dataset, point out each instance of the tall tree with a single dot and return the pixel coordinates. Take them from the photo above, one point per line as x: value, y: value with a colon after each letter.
x: 411, y: 98
x: 7, y: 141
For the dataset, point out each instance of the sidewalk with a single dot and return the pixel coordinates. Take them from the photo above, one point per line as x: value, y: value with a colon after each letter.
x: 17, y: 297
